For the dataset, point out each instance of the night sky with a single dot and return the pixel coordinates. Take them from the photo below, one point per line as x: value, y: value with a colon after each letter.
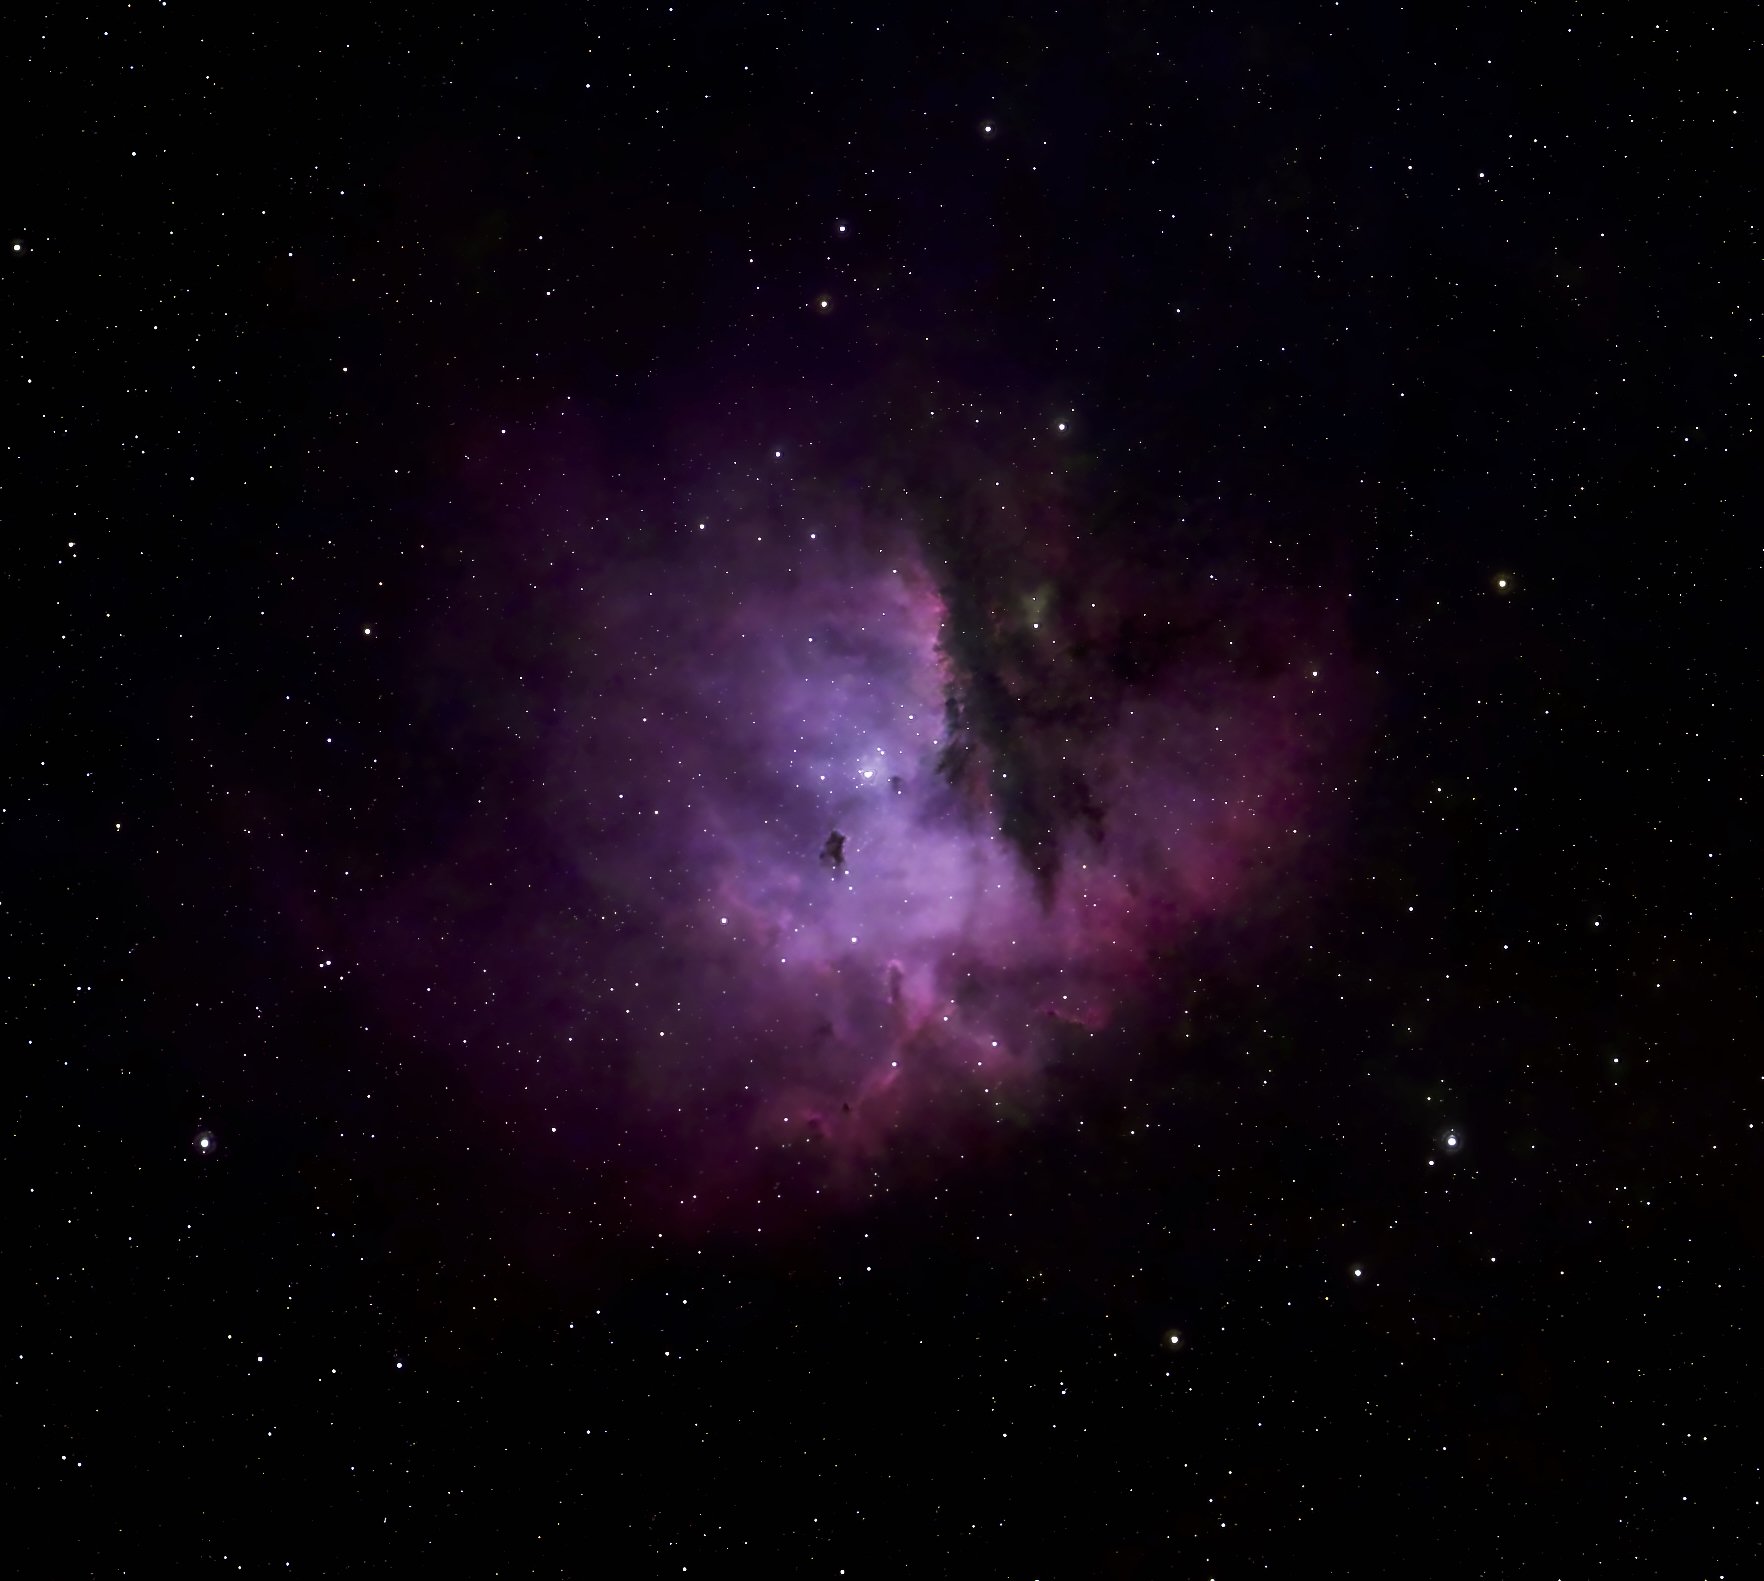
x: 804, y: 792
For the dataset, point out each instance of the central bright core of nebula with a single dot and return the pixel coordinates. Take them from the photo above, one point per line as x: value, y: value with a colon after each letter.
x: 835, y: 839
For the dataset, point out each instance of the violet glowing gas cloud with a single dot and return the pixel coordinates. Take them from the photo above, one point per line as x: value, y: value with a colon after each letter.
x: 836, y: 821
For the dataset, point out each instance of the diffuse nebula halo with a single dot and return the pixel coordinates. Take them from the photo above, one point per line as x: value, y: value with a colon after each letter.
x: 843, y: 814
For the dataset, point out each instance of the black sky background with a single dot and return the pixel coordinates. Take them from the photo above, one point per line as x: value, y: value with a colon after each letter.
x: 1417, y: 299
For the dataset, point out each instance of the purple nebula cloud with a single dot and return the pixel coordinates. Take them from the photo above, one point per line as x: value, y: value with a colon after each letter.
x: 834, y: 826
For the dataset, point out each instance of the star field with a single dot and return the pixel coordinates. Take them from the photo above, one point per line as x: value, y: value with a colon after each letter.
x: 842, y: 793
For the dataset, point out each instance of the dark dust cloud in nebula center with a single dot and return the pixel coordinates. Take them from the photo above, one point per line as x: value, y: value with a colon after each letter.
x: 842, y: 813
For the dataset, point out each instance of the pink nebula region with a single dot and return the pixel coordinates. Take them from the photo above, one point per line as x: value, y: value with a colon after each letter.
x: 833, y: 835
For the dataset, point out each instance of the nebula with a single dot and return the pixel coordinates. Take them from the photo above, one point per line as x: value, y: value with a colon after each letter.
x: 831, y: 822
